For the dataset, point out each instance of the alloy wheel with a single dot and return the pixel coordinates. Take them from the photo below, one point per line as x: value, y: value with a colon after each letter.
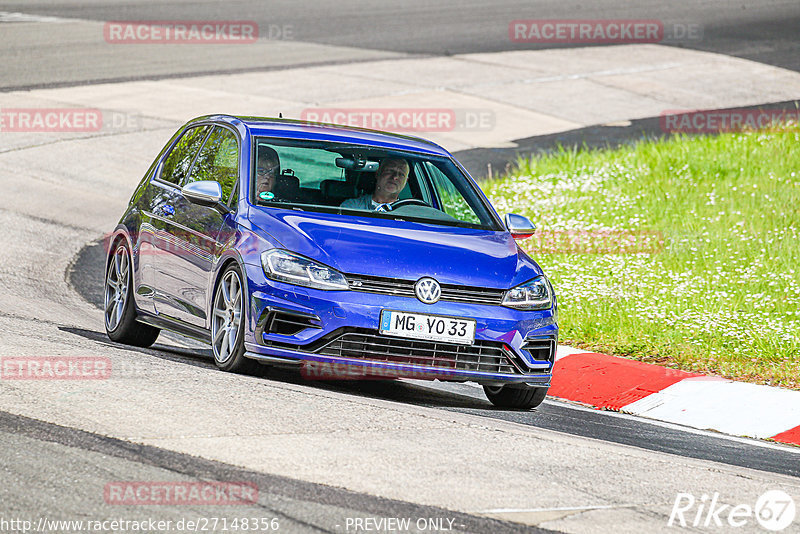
x: 227, y: 316
x: 116, y: 293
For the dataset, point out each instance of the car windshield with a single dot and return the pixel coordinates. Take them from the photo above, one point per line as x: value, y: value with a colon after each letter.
x: 367, y: 181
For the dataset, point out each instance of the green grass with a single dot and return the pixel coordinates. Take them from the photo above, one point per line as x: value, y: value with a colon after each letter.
x: 721, y: 296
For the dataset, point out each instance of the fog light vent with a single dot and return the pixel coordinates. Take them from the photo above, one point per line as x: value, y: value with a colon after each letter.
x: 542, y: 349
x: 287, y: 322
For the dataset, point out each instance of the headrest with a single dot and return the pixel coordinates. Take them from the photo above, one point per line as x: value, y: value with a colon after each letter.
x: 337, y: 189
x: 366, y: 182
x: 287, y: 186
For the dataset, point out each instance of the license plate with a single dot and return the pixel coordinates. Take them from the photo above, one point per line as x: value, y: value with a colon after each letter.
x: 429, y: 327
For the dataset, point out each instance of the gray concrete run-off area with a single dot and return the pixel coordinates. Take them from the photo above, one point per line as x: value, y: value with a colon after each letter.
x: 364, y: 453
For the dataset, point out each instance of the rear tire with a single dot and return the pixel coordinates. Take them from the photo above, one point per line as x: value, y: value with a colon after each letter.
x: 118, y: 310
x: 519, y: 397
x: 227, y: 324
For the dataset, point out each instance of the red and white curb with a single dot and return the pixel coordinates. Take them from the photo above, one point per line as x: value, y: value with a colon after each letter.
x: 688, y: 399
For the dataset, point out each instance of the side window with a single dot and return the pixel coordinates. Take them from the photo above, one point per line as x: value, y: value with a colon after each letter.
x: 180, y: 158
x: 311, y: 167
x: 416, y: 178
x: 218, y: 161
x: 453, y: 202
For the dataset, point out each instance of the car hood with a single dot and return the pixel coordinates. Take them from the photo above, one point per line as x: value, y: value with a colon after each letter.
x: 400, y: 249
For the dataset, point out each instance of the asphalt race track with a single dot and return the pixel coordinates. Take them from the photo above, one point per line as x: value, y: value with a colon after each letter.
x: 553, y: 415
x: 321, y: 454
x: 764, y: 31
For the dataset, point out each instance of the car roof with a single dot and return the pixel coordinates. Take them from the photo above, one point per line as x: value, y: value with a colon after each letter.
x: 297, y: 129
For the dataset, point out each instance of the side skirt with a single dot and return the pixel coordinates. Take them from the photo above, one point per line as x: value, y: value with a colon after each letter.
x: 174, y: 325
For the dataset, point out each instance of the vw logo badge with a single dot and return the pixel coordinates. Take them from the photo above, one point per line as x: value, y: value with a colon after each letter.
x: 427, y: 290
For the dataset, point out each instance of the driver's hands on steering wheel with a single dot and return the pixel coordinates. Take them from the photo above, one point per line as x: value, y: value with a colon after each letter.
x: 408, y: 202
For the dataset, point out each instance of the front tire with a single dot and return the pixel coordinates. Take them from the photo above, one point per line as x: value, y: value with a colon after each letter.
x: 227, y: 324
x: 522, y: 397
x: 118, y: 310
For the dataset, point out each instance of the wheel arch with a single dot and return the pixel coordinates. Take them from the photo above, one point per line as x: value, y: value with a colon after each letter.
x: 123, y: 233
x: 110, y: 241
x: 231, y: 257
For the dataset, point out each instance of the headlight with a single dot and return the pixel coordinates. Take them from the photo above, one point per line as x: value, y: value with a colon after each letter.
x: 537, y: 294
x: 292, y: 268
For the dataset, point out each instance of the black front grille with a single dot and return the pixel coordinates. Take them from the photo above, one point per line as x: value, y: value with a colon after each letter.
x: 405, y: 288
x: 483, y: 356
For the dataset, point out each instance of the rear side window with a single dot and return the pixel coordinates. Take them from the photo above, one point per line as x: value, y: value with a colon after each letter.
x: 218, y: 161
x: 311, y: 167
x: 180, y: 157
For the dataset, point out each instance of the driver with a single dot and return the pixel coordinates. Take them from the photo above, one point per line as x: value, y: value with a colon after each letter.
x: 390, y: 179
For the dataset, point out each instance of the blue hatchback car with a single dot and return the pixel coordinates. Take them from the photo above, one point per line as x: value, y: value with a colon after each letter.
x: 348, y: 253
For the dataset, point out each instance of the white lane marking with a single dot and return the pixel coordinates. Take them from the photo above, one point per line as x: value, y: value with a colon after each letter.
x: 558, y: 509
x: 609, y: 72
x: 736, y: 408
x: 643, y: 419
x: 7, y: 16
x: 575, y: 76
x: 628, y: 416
x: 564, y: 350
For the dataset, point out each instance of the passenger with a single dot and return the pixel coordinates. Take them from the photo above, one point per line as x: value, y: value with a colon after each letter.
x: 268, y: 166
x: 390, y: 179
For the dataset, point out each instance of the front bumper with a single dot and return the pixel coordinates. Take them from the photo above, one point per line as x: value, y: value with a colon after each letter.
x: 334, y: 335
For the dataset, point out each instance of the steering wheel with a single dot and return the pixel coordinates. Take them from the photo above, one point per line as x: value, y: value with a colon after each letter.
x: 408, y: 202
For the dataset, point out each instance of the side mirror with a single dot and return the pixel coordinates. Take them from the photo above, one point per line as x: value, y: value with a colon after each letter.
x: 205, y: 193
x: 520, y: 226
